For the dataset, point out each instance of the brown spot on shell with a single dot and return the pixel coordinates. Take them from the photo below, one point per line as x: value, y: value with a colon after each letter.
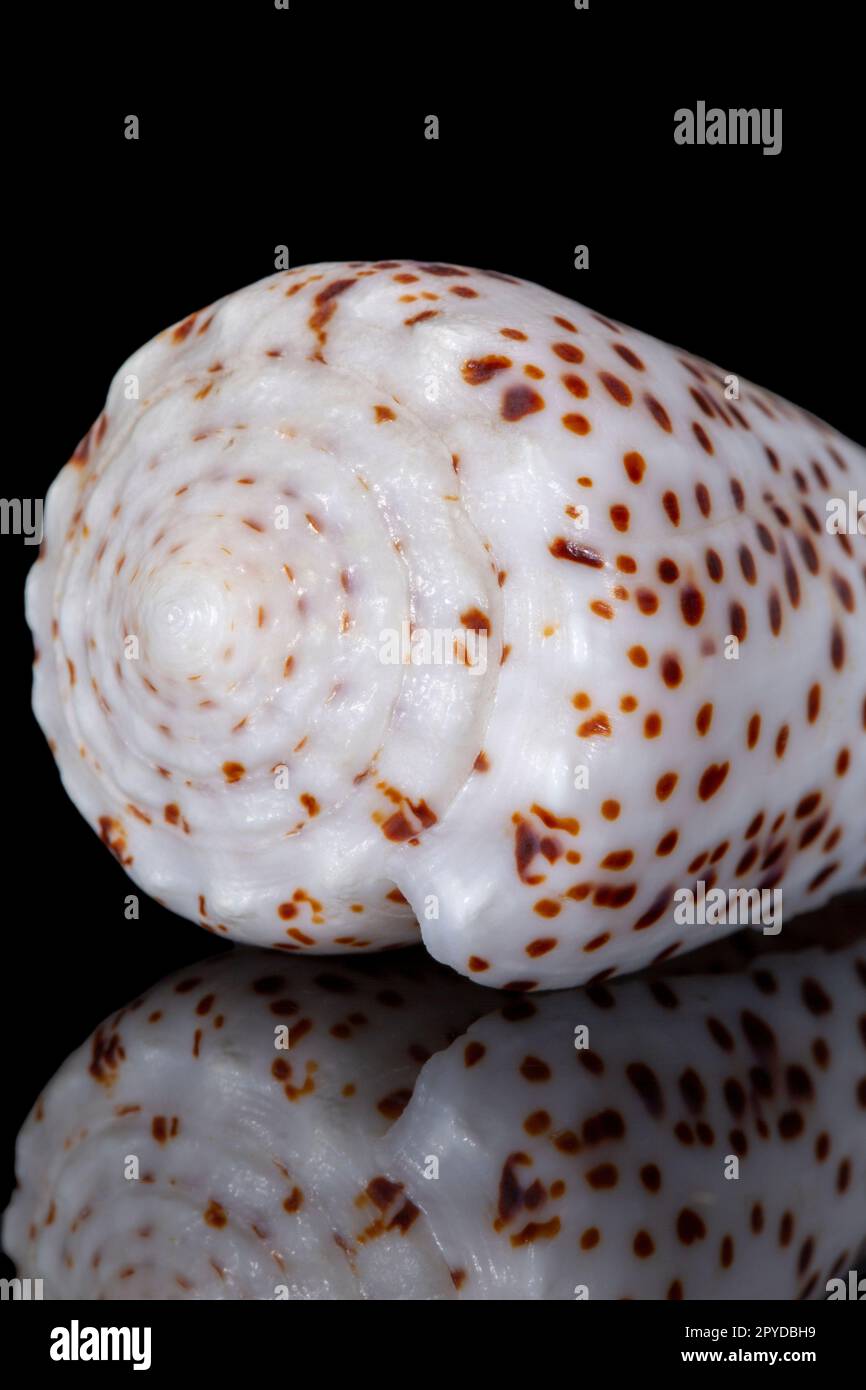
x: 658, y: 412
x: 520, y: 401
x: 616, y: 388
x: 565, y: 549
x: 635, y: 466
x: 476, y: 371
x: 712, y: 779
x: 568, y: 352
x: 215, y: 1215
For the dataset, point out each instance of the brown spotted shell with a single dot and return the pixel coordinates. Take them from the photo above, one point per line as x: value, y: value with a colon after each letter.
x: 260, y: 1128
x: 392, y: 591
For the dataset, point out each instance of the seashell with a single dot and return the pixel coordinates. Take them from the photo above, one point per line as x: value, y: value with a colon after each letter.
x: 404, y: 1148
x: 708, y: 1141
x: 210, y: 1139
x: 392, y: 591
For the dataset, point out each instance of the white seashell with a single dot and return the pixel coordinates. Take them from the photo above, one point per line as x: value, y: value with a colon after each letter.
x: 249, y: 1156
x: 343, y: 459
x: 521, y: 1167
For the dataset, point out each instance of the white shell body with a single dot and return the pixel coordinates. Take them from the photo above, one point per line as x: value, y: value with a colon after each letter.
x: 609, y: 1172
x: 510, y: 1164
x: 395, y: 582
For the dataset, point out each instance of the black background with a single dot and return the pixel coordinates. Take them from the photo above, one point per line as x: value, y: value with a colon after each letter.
x: 306, y: 128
